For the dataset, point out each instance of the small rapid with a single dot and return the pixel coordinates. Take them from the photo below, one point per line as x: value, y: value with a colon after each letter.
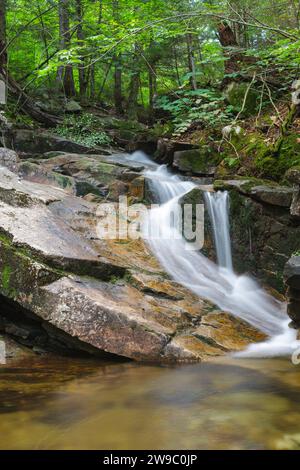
x: 239, y: 295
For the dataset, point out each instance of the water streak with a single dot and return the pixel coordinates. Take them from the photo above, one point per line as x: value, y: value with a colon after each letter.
x: 218, y: 208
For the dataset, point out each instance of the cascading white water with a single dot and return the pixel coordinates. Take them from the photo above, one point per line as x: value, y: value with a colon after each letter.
x: 218, y: 204
x: 239, y: 295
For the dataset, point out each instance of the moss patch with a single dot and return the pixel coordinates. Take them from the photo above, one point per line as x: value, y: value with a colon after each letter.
x: 6, y: 275
x: 200, y: 161
x: 235, y: 95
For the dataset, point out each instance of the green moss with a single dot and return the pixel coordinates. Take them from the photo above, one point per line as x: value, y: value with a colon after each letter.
x: 245, y: 186
x: 26, y: 254
x: 198, y: 161
x: 235, y: 95
x: 6, y: 274
x: 261, y: 158
x: 275, y: 165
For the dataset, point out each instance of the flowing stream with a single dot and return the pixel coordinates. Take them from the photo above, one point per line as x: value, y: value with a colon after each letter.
x: 239, y: 295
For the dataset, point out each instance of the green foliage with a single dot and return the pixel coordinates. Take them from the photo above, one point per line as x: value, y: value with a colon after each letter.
x: 232, y: 162
x: 84, y: 129
x: 139, y: 37
x: 205, y: 106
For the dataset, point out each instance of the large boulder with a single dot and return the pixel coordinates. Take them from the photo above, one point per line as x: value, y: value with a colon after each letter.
x: 72, y: 106
x: 199, y: 162
x: 31, y: 142
x: 108, y: 296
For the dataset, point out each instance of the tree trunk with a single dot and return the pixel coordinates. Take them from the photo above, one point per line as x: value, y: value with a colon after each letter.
x: 80, y: 36
x: 152, y: 86
x: 118, y: 86
x: 133, y: 96
x: 132, y: 109
x: 228, y: 40
x: 3, y: 54
x: 92, y: 67
x: 176, y: 64
x: 191, y: 61
x: 65, y: 74
x: 118, y: 68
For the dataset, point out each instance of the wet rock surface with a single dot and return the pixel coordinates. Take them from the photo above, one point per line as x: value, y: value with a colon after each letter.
x: 109, y: 296
x: 292, y: 278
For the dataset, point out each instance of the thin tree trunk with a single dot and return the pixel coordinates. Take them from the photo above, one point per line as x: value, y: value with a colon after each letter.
x: 44, y: 35
x: 118, y: 86
x: 65, y: 74
x: 134, y: 88
x: 80, y: 37
x: 3, y: 54
x: 191, y: 61
x: 152, y: 76
x: 176, y: 64
x: 117, y: 68
x: 105, y: 79
x: 152, y: 87
x: 92, y: 81
x: 92, y: 67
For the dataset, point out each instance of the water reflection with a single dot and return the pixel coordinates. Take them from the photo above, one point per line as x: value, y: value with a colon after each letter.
x: 77, y: 404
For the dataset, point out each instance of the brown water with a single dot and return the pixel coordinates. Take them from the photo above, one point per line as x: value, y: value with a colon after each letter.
x: 82, y: 404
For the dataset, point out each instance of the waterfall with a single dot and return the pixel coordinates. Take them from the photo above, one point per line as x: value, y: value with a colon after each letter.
x: 218, y: 208
x: 239, y: 295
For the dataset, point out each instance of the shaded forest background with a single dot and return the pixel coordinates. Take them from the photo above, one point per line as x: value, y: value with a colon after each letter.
x: 170, y: 64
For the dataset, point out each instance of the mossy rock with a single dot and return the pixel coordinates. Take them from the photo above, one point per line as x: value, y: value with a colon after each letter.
x: 202, y: 162
x: 293, y: 175
x: 235, y: 95
x: 275, y: 166
x: 35, y: 173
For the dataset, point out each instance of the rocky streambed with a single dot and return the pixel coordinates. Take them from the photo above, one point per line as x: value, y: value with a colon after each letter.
x: 64, y: 289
